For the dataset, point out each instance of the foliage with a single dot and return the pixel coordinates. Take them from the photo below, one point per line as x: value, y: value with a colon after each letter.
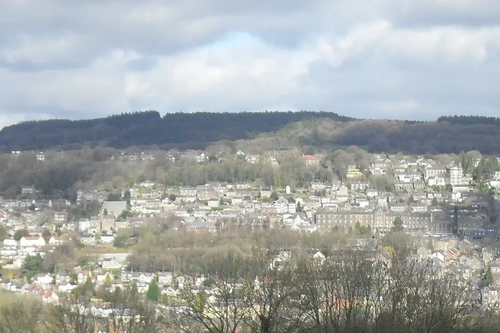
x: 21, y: 233
x: 46, y: 234
x: 32, y: 265
x: 20, y: 314
x: 88, y: 287
x: 148, y: 128
x: 153, y: 293
x: 397, y: 224
x: 4, y: 233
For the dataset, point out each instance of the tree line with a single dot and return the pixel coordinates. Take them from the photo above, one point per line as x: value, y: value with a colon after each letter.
x: 271, y: 290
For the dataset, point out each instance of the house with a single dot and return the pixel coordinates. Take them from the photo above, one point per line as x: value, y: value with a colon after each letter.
x: 55, y: 241
x: 66, y: 287
x: 110, y: 263
x: 62, y: 278
x: 50, y: 297
x: 280, y: 260
x: 266, y: 192
x: 61, y: 216
x: 435, y: 170
x: 359, y: 185
x: 353, y: 172
x: 9, y: 242
x: 88, y: 239
x: 108, y: 238
x: 44, y: 278
x: 436, y: 181
x: 115, y: 284
x: 319, y: 257
x: 165, y: 278
x: 31, y: 242
x: 188, y: 191
x: 83, y: 276
x: 28, y: 190
x: 201, y: 225
x: 440, y: 255
x: 311, y: 160
x: 102, y: 277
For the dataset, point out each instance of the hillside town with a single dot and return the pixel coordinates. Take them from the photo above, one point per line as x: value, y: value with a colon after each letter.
x: 454, y: 214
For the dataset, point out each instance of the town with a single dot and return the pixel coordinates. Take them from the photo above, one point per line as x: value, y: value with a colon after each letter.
x: 157, y: 232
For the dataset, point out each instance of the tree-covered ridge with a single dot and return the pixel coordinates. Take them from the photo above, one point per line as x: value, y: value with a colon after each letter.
x: 150, y: 128
x: 470, y: 120
x: 392, y: 136
x: 289, y: 129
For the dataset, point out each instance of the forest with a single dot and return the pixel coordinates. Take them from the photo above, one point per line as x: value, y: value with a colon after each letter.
x: 188, y: 130
x: 198, y: 130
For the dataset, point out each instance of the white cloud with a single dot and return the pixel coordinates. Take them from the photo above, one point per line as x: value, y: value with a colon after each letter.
x: 413, y: 59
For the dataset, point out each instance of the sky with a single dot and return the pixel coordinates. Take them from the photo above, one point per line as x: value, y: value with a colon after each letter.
x: 398, y: 59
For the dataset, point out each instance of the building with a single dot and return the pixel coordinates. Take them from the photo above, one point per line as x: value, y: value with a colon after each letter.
x: 435, y: 171
x: 342, y: 220
x: 61, y: 217
x: 28, y: 190
x: 456, y: 175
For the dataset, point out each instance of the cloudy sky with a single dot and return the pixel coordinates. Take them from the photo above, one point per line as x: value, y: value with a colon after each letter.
x: 411, y: 59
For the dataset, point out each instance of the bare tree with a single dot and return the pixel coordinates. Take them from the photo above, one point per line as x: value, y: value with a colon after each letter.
x: 20, y: 314
x: 70, y: 316
x: 128, y: 313
x: 274, y: 296
x: 218, y: 308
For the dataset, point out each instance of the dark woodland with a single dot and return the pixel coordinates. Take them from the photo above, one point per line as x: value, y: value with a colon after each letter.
x: 198, y: 130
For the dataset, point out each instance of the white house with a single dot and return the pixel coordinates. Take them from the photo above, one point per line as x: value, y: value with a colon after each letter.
x: 31, y: 241
x: 319, y: 257
x: 165, y: 278
x: 108, y: 239
x: 66, y: 287
x: 436, y: 181
x: 54, y: 241
x: 101, y: 277
x: 9, y: 242
x: 44, y: 278
x: 83, y: 276
x: 110, y: 263
x: 440, y: 255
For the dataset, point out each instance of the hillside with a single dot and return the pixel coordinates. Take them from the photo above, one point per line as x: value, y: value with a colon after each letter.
x: 198, y: 130
x: 446, y: 135
x: 185, y: 130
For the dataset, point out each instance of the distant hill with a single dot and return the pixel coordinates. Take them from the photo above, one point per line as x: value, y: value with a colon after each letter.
x: 191, y: 130
x: 198, y: 130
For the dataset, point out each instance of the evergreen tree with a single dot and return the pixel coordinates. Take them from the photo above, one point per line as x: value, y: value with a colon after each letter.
x: 153, y: 293
x: 397, y: 225
x: 89, y: 287
x: 107, y: 281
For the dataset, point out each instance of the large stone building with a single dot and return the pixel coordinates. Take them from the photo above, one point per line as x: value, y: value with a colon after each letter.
x: 378, y: 220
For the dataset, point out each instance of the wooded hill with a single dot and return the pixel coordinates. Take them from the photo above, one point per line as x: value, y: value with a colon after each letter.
x: 198, y: 130
x: 183, y: 130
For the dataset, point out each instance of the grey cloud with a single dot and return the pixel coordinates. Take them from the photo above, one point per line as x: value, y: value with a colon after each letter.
x: 380, y: 58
